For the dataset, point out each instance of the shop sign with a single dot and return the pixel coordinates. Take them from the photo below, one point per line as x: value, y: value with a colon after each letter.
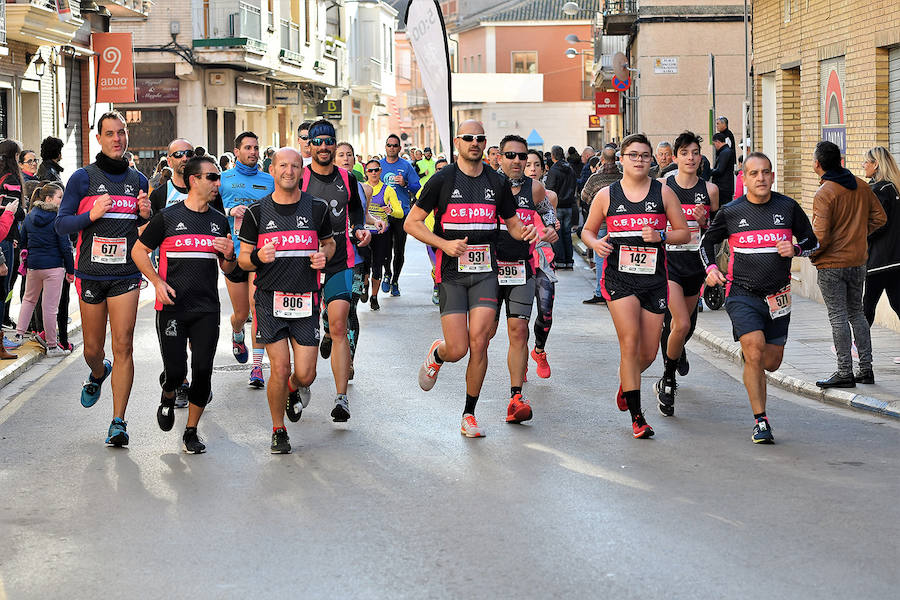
x: 330, y: 109
x: 115, y: 67
x: 606, y: 103
x: 164, y: 90
x: 285, y: 97
x: 834, y: 128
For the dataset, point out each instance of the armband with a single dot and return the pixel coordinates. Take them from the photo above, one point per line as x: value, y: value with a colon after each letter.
x: 797, y: 250
x: 711, y: 267
x: 662, y: 236
x: 254, y: 258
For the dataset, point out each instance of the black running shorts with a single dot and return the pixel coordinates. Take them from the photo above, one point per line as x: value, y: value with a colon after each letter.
x: 96, y: 291
x: 518, y: 299
x: 751, y: 313
x: 690, y: 284
x: 271, y: 329
x: 238, y: 275
x: 461, y: 295
x: 655, y: 299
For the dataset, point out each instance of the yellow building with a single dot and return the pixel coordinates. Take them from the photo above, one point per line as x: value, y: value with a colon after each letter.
x: 825, y: 69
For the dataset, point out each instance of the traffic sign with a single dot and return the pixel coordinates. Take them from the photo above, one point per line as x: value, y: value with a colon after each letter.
x: 621, y: 84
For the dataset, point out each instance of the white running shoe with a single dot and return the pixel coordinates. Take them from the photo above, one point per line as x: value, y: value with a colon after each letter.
x: 428, y: 372
x: 469, y: 427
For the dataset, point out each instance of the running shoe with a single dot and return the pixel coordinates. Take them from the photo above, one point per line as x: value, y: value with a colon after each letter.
x: 543, y: 367
x: 665, y: 395
x: 641, y: 428
x: 57, y: 351
x: 90, y: 391
x: 239, y: 349
x: 42, y: 340
x: 117, y: 436
x: 341, y: 411
x: 281, y: 443
x: 256, y: 378
x: 395, y: 289
x: 435, y: 297
x: 469, y: 427
x: 14, y: 341
x: 191, y: 442
x: 385, y: 284
x: 181, y: 395
x: 373, y: 303
x: 620, y: 400
x: 518, y: 410
x: 428, y: 372
x: 296, y: 402
x: 165, y: 414
x: 684, y: 367
x: 325, y: 346
x: 762, y: 432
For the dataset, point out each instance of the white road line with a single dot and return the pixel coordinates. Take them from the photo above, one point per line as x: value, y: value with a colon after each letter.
x: 567, y: 461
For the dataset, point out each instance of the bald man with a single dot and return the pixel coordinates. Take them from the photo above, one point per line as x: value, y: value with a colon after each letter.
x: 469, y: 199
x: 179, y: 152
x: 286, y: 252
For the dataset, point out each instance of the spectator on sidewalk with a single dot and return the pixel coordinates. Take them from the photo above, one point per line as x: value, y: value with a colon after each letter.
x: 665, y: 160
x: 10, y: 191
x: 845, y: 212
x: 723, y: 173
x: 586, y: 156
x: 883, y: 266
x: 562, y: 179
x: 28, y: 164
x: 739, y: 179
x: 51, y: 155
x: 157, y: 174
x: 606, y: 174
x: 722, y: 127
x: 49, y: 262
x: 7, y: 218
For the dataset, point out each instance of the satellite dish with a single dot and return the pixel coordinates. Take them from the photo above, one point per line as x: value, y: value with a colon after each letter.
x: 620, y: 66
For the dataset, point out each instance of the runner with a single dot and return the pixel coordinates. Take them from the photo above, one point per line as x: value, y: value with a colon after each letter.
x: 760, y: 227
x: 516, y: 270
x: 467, y: 198
x: 105, y: 203
x: 401, y: 175
x: 303, y: 142
x: 384, y: 204
x: 191, y: 236
x: 699, y: 200
x: 340, y: 191
x: 286, y: 239
x: 636, y: 210
x: 242, y: 186
x: 545, y: 275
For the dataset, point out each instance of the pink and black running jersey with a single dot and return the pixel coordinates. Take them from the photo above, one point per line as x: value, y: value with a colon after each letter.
x: 625, y: 221
x: 104, y: 246
x: 341, y: 193
x: 296, y: 230
x: 509, y: 248
x: 754, y: 266
x: 684, y: 259
x: 187, y: 260
x: 466, y: 207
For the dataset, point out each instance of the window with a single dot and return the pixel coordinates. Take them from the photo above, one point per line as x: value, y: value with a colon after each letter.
x: 480, y: 70
x: 787, y: 11
x: 306, y: 22
x: 524, y: 62
x: 465, y: 68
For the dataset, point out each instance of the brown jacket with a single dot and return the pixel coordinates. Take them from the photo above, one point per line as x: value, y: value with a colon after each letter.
x: 842, y: 220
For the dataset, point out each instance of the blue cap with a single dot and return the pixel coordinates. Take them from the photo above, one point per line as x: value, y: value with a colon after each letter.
x: 322, y: 128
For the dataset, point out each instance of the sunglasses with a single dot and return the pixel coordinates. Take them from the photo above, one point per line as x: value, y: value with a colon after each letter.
x: 519, y: 155
x: 373, y: 170
x: 392, y: 145
x: 182, y: 154
x: 318, y: 141
x: 469, y: 138
x: 33, y: 160
x: 303, y: 136
x: 209, y: 176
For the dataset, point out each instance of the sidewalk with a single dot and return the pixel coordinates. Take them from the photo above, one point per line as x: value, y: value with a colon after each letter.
x: 31, y: 352
x: 808, y: 356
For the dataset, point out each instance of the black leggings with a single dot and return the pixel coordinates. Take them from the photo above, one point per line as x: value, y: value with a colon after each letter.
x: 545, y: 293
x: 381, y: 250
x: 174, y: 330
x: 876, y: 284
x: 398, y: 247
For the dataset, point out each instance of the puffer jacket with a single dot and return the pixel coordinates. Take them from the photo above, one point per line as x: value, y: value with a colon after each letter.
x: 46, y: 248
x: 884, y: 243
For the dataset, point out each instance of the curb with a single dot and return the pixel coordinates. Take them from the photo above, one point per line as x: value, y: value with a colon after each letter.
x: 25, y: 360
x: 803, y: 388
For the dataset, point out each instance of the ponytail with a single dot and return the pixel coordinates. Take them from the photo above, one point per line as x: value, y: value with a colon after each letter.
x: 42, y: 193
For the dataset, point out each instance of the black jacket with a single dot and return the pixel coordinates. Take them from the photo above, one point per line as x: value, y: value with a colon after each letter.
x: 884, y: 243
x: 562, y: 180
x: 723, y: 173
x: 49, y: 171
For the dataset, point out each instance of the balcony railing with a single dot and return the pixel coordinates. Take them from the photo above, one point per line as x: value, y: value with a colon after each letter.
x: 619, y: 7
x: 236, y: 24
x: 416, y: 97
x: 290, y: 42
x: 619, y: 16
x: 3, y: 23
x: 367, y: 73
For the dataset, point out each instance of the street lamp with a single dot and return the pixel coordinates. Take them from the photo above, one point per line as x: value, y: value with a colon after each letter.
x: 570, y: 8
x: 573, y: 39
x: 572, y: 53
x: 40, y: 65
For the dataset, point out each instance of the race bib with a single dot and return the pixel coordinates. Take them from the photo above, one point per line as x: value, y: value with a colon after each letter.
x: 109, y: 251
x: 511, y: 273
x: 637, y: 259
x: 475, y: 259
x: 692, y: 245
x: 779, y: 303
x: 292, y: 306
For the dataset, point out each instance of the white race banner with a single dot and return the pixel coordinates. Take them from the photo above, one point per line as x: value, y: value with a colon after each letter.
x: 428, y: 36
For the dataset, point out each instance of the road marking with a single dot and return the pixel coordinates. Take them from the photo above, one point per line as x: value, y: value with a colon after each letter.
x: 2, y: 590
x: 737, y: 524
x: 585, y: 468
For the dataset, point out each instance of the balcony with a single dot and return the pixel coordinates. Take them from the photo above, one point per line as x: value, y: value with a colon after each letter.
x: 367, y: 74
x: 3, y: 23
x: 126, y: 8
x: 37, y: 22
x: 477, y: 88
x: 619, y: 16
x: 290, y: 43
x: 229, y: 26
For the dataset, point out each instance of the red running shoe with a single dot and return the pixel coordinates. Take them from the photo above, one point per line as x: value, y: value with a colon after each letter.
x: 641, y: 428
x: 518, y: 410
x: 543, y: 367
x: 620, y: 400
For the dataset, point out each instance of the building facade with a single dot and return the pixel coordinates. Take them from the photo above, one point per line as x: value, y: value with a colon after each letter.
x: 825, y: 70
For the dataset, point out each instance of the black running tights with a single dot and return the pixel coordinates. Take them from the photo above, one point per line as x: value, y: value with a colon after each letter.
x: 175, y: 330
x: 544, y: 292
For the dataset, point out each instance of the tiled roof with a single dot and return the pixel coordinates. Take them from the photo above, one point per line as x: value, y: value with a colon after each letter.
x: 544, y: 10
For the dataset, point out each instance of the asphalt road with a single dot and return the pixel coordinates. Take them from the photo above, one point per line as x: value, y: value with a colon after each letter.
x: 396, y: 504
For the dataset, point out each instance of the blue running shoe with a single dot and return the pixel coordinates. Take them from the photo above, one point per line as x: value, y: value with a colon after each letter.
x: 117, y: 435
x: 385, y: 285
x: 90, y: 391
x: 256, y: 378
x: 762, y: 432
x: 239, y: 349
x: 395, y: 289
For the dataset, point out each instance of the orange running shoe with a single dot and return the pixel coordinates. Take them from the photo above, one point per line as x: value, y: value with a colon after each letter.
x: 428, y: 372
x: 641, y: 428
x: 620, y: 400
x: 519, y: 410
x: 470, y: 428
x: 543, y: 367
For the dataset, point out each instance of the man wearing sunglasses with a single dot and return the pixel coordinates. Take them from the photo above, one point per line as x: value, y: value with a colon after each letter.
x: 323, y: 179
x: 303, y: 142
x: 468, y: 199
x: 401, y: 175
x: 242, y: 186
x: 194, y: 244
x: 180, y: 151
